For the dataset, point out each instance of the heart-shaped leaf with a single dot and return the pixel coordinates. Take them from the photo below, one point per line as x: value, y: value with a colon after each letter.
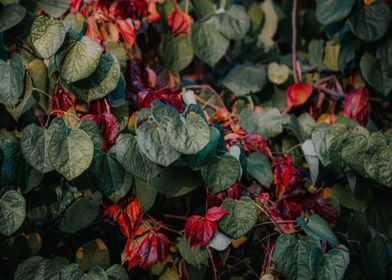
x: 154, y: 143
x: 35, y: 147
x: 370, y: 22
x: 47, y: 35
x: 318, y: 228
x: 70, y: 154
x: 260, y: 168
x: 177, y: 52
x: 278, y: 74
x: 133, y: 160
x: 241, y: 218
x: 329, y: 11
x: 12, y: 212
x: 291, y: 256
x: 81, y: 60
x: 331, y: 265
x: 100, y: 83
x: 220, y: 172
x: 11, y: 80
x: 11, y: 15
x: 190, y: 135
x: 208, y: 43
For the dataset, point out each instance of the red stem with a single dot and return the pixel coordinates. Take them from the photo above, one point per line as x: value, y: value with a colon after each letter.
x: 294, y: 40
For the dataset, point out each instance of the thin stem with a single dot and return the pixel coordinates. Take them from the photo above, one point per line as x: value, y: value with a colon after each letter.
x: 262, y: 209
x: 213, y: 264
x: 186, y: 6
x: 43, y: 92
x: 294, y: 40
x: 175, y: 217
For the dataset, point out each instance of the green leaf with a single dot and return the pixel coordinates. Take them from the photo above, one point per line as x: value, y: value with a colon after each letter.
x: 12, y: 212
x: 11, y: 15
x: 384, y: 55
x: 319, y: 141
x: 154, y: 144
x: 331, y: 265
x: 318, y: 228
x: 291, y: 256
x: 195, y: 256
x: 80, y: 213
x: 96, y: 273
x: 47, y: 35
x: 346, y: 198
x: 260, y: 168
x: 316, y: 49
x: 190, y: 135
x: 133, y: 160
x: 377, y: 257
x: 93, y: 253
x: 109, y: 176
x: 330, y: 11
x: 241, y: 218
x: 370, y: 22
x: 244, y: 79
x: 176, y: 181
x: 100, y: 83
x: 35, y: 143
x: 146, y: 193
x: 354, y: 150
x: 26, y: 103
x: 208, y: 44
x: 54, y: 8
x: 374, y: 73
x: 378, y: 166
x: 11, y: 80
x: 268, y: 122
x: 117, y: 272
x: 233, y: 24
x: 71, y: 154
x: 71, y: 272
x: 177, y: 52
x: 220, y: 242
x: 81, y: 60
x: 220, y: 172
x: 334, y: 139
x: 27, y: 268
x: 163, y: 113
x: 278, y: 74
x: 311, y: 158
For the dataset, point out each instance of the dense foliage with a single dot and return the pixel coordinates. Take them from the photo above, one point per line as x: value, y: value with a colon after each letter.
x: 195, y: 139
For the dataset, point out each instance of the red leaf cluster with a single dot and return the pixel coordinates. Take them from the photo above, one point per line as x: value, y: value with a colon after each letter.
x: 123, y: 9
x: 256, y: 143
x: 297, y: 94
x: 179, y: 23
x: 62, y: 101
x: 109, y: 128
x: 200, y: 230
x: 138, y: 83
x: 216, y: 199
x: 286, y: 176
x: 146, y: 250
x: 144, y: 246
x: 356, y: 105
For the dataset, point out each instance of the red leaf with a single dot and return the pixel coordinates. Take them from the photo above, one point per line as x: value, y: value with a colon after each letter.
x: 256, y: 142
x: 153, y: 248
x: 322, y: 207
x: 127, y: 32
x: 214, y: 214
x: 134, y: 213
x: 297, y: 94
x: 216, y: 199
x: 123, y: 223
x: 286, y: 176
x: 179, y: 23
x: 170, y: 96
x: 131, y: 254
x: 93, y: 30
x: 74, y: 5
x: 62, y: 101
x: 200, y: 230
x: 356, y: 105
x: 111, y: 211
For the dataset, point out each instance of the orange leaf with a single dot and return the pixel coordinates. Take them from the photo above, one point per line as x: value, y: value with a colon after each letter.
x: 297, y: 94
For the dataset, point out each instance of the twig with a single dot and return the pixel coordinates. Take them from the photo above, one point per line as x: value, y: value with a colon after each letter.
x: 175, y: 217
x: 294, y: 40
x: 213, y: 264
x: 262, y: 209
